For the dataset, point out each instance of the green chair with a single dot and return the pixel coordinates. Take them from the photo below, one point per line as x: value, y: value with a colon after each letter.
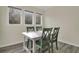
x: 55, y: 37
x: 29, y: 42
x: 44, y: 42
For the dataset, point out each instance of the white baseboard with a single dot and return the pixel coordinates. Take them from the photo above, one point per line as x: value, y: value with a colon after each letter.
x: 69, y: 43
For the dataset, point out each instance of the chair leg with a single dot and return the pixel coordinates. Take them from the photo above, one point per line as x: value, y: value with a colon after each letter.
x: 49, y: 48
x: 28, y: 43
x: 40, y: 50
x: 31, y: 43
x: 52, y: 47
x: 56, y: 45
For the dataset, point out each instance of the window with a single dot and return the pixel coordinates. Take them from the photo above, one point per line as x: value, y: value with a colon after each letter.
x: 32, y: 20
x: 38, y: 19
x: 38, y: 22
x: 14, y: 15
x: 28, y: 18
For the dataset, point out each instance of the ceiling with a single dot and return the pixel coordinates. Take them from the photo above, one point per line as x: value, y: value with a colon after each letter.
x: 44, y: 8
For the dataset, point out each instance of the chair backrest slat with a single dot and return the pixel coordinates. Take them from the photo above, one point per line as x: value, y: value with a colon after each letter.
x: 46, y: 33
x: 55, y: 33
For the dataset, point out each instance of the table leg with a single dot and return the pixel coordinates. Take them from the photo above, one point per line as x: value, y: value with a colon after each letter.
x: 25, y: 45
x: 24, y: 42
x: 30, y: 44
x: 33, y: 46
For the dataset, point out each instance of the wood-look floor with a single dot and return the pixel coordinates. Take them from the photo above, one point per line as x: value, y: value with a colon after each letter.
x: 63, y: 48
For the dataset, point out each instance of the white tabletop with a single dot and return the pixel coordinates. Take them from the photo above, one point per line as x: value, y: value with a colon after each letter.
x: 33, y: 35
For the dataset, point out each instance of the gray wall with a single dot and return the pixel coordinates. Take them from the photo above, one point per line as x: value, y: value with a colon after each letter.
x: 68, y: 19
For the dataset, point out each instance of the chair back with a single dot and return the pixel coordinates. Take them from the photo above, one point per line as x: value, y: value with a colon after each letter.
x: 39, y: 28
x: 30, y: 29
x: 46, y: 33
x: 55, y: 33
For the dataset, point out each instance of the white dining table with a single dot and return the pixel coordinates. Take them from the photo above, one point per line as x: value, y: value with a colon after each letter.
x: 32, y: 36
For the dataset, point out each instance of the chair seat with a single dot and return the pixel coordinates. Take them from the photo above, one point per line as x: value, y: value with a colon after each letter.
x: 44, y: 43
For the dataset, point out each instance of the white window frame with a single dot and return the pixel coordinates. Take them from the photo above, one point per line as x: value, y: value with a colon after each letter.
x: 40, y: 20
x: 20, y: 10
x: 32, y: 19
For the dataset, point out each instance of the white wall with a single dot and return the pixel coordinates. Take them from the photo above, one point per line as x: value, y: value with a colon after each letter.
x: 10, y: 33
x: 68, y: 19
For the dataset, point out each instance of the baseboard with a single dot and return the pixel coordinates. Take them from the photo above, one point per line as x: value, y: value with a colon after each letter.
x: 68, y: 43
x: 11, y: 47
x: 11, y: 44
